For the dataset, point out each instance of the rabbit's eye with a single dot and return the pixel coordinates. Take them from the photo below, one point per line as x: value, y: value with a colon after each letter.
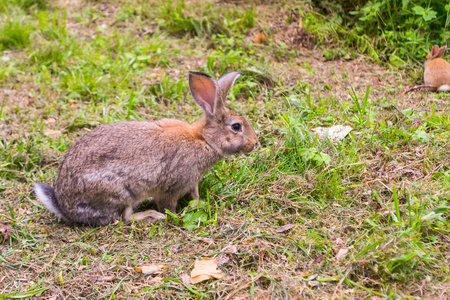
x: 236, y: 126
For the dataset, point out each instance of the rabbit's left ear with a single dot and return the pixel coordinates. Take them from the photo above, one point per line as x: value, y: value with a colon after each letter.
x: 204, y: 91
x: 226, y: 82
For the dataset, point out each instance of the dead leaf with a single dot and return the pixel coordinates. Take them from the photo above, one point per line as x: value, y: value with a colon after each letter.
x: 51, y: 132
x: 285, y: 228
x: 339, y: 241
x: 376, y: 298
x: 259, y: 38
x: 333, y: 133
x: 5, y: 231
x: 185, y: 278
x: 151, y: 269
x: 205, y: 269
x: 341, y: 253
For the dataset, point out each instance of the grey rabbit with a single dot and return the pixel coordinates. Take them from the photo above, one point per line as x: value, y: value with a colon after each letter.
x: 113, y: 168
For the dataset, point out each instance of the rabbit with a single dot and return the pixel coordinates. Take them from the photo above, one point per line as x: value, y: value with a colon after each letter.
x: 437, y: 70
x: 436, y: 73
x: 113, y: 168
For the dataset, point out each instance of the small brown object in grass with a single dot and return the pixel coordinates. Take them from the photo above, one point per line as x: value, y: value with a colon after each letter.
x: 205, y: 269
x: 259, y: 38
x: 5, y: 232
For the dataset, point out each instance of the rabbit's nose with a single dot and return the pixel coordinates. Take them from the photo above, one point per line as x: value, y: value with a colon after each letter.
x: 250, y: 146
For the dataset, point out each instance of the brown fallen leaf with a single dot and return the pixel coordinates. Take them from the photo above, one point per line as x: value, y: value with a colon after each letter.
x: 185, y: 278
x: 341, y: 253
x: 5, y: 231
x: 205, y: 269
x: 259, y: 38
x: 334, y: 133
x: 339, y: 241
x: 285, y: 228
x: 151, y: 269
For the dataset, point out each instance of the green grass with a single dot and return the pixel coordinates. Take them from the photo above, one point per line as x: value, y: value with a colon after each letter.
x: 381, y: 196
x: 15, y: 32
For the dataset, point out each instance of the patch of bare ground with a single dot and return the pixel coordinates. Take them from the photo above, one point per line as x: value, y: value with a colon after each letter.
x: 17, y: 101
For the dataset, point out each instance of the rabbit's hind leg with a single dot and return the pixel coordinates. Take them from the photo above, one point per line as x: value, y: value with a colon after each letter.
x: 94, y: 216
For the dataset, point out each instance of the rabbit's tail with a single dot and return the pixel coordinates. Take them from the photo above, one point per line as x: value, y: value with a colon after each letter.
x: 46, y: 194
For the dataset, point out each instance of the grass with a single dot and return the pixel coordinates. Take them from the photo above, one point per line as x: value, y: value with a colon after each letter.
x: 370, y: 214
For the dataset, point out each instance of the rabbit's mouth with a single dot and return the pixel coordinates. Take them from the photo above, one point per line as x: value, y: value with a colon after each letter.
x: 249, y: 148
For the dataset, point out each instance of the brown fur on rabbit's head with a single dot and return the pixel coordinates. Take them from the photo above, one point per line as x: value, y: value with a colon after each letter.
x: 437, y: 70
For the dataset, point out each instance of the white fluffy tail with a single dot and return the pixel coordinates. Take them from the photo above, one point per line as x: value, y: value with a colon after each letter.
x: 444, y: 88
x: 46, y: 194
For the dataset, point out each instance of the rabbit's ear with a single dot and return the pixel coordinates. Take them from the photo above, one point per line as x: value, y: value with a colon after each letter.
x: 434, y: 51
x: 204, y: 91
x: 441, y: 51
x: 226, y: 82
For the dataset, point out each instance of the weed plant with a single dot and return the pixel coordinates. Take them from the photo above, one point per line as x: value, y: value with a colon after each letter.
x: 399, y: 32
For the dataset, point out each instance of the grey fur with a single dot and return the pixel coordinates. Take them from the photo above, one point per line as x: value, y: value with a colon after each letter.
x: 116, y: 166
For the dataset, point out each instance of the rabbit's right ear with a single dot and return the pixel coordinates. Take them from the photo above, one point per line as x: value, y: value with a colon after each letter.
x: 441, y: 51
x: 204, y: 91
